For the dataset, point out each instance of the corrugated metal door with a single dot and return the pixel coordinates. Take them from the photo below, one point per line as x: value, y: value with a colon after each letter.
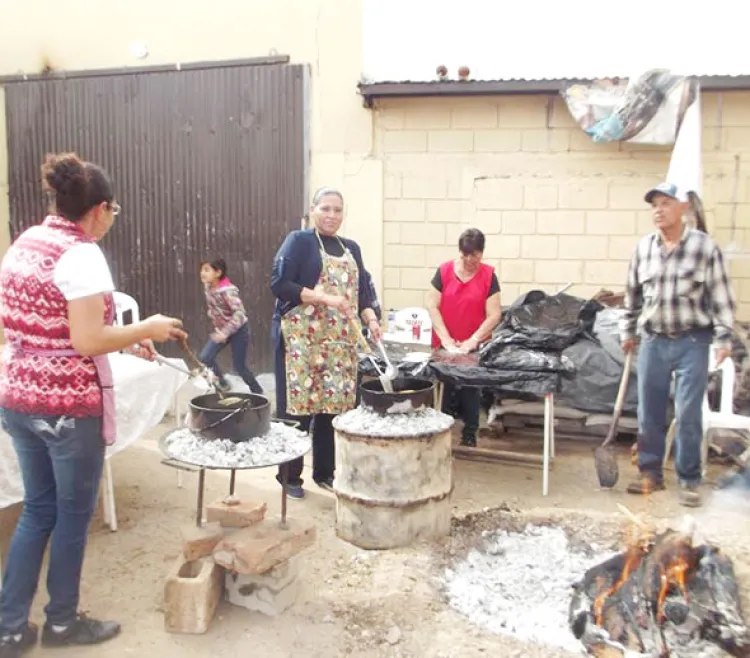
x: 207, y: 162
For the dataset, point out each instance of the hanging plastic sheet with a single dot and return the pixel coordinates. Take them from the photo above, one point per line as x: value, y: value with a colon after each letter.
x: 648, y: 109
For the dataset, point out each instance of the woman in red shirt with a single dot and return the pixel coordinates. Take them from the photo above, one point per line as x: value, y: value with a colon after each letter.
x: 464, y: 305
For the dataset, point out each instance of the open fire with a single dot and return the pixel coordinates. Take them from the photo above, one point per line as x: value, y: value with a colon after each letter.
x: 662, y: 596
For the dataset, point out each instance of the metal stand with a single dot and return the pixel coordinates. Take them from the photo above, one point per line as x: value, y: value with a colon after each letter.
x: 284, y: 482
x: 201, y: 489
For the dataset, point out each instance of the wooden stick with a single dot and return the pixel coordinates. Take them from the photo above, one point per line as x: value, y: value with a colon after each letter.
x: 496, y: 455
x: 358, y: 333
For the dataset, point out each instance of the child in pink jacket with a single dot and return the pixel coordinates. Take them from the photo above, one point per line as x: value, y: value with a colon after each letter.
x: 229, y: 318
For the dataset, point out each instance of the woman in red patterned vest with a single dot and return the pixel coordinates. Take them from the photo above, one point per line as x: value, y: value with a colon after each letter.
x: 56, y: 396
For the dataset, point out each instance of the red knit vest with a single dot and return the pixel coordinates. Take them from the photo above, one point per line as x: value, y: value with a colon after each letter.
x: 34, y: 314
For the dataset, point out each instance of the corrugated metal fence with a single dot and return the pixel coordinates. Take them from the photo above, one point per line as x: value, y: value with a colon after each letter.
x: 206, y: 162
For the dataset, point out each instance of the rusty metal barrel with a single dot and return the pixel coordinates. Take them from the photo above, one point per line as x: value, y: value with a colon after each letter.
x: 394, y: 476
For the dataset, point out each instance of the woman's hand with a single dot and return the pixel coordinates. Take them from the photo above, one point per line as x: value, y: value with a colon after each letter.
x: 143, y: 350
x: 375, y: 331
x: 448, y: 343
x: 339, y: 303
x: 468, y: 346
x: 162, y: 328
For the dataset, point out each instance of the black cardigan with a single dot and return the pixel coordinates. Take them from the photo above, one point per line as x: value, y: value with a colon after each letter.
x: 298, y: 264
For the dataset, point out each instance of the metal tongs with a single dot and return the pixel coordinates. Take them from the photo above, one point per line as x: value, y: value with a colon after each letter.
x: 386, y: 378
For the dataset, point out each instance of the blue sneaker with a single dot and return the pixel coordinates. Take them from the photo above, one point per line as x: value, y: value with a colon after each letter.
x: 295, y: 491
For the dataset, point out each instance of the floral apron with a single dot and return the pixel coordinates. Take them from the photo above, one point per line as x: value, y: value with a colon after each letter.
x: 321, y: 353
x: 103, y: 373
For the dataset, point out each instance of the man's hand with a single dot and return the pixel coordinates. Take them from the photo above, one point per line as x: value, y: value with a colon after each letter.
x: 218, y: 337
x: 721, y: 354
x: 628, y: 345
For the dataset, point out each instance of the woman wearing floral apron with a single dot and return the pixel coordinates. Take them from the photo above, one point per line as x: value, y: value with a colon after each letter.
x: 57, y: 397
x: 319, y: 283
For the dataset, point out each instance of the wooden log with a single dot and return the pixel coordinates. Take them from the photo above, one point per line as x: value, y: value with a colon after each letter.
x: 497, y: 455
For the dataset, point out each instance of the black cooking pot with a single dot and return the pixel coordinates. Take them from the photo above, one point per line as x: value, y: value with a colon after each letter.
x: 408, y: 395
x: 239, y: 422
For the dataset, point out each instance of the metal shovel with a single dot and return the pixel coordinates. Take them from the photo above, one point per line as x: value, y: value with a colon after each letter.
x: 605, y: 458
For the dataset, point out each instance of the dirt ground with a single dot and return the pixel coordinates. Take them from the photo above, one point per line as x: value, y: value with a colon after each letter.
x: 353, y: 603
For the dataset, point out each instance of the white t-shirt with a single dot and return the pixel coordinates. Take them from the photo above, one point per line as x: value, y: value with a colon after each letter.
x: 82, y: 271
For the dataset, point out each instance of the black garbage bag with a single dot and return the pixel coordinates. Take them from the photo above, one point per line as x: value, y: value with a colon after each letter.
x: 597, y: 381
x: 465, y: 370
x: 544, y: 322
x: 522, y: 358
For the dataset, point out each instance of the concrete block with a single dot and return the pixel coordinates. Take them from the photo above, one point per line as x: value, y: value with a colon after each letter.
x: 541, y: 247
x: 474, y: 114
x: 561, y: 222
x: 582, y: 247
x: 497, y: 141
x: 270, y: 593
x: 539, y: 197
x: 522, y: 112
x: 545, y: 141
x: 235, y: 513
x: 557, y: 272
x: 583, y: 196
x: 424, y: 234
x: 432, y: 185
x: 519, y: 222
x: 403, y: 210
x: 259, y: 548
x: 405, y: 141
x: 450, y: 141
x: 611, y: 222
x: 192, y: 593
x: 200, y: 542
x: 498, y: 194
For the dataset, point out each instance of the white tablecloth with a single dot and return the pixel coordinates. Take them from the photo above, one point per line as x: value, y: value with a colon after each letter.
x: 144, y: 391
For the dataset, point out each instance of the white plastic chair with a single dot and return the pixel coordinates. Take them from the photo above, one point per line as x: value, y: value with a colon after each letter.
x: 725, y: 418
x: 125, y: 304
x: 404, y: 318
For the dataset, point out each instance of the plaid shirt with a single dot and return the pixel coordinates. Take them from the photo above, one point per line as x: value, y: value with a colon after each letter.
x: 671, y: 293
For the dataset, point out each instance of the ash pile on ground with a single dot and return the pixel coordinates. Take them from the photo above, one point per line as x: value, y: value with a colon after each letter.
x: 281, y: 443
x: 519, y: 583
x: 364, y: 422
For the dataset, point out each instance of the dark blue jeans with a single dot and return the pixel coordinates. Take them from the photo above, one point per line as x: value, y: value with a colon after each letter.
x: 687, y: 357
x: 239, y: 341
x: 61, y: 461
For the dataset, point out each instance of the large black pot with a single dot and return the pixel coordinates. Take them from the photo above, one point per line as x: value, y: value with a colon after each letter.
x: 408, y: 395
x: 240, y: 422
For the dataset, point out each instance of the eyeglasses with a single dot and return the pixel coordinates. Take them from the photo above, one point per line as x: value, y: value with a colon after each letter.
x: 115, y: 208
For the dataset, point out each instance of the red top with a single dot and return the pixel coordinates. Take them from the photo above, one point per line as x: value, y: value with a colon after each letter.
x: 463, y: 305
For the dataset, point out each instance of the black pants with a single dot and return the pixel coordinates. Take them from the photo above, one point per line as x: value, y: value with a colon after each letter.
x: 463, y: 402
x: 324, y: 456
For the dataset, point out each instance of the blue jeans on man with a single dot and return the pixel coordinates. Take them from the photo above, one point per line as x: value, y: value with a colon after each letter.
x: 61, y: 460
x: 687, y: 356
x: 239, y: 342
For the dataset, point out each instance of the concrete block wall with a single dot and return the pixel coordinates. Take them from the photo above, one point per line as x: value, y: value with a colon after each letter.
x: 555, y: 207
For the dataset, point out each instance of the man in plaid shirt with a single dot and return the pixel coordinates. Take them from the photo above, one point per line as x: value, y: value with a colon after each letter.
x: 678, y: 299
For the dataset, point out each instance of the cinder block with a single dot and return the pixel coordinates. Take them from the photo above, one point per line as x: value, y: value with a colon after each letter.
x: 235, y: 513
x: 474, y: 114
x: 428, y: 116
x: 620, y: 247
x: 425, y: 234
x: 191, y: 595
x: 558, y: 272
x: 200, y: 542
x: 583, y: 196
x: 498, y: 194
x: 545, y: 141
x: 522, y: 112
x: 403, y: 210
x: 606, y: 272
x: 416, y: 278
x: 261, y: 547
x: 432, y: 185
x: 561, y: 222
x: 402, y: 255
x: 514, y: 271
x: 582, y: 247
x: 447, y: 211
x: 542, y: 247
x: 540, y: 197
x: 450, y: 141
x: 497, y: 141
x: 270, y: 593
x: 610, y: 222
x: 405, y: 141
x: 519, y: 222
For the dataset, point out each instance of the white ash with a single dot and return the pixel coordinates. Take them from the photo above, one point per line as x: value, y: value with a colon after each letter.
x: 365, y: 422
x: 521, y: 586
x: 281, y: 443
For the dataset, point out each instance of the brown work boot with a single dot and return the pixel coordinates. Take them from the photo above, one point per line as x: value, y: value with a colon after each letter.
x: 646, y: 483
x: 690, y: 495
